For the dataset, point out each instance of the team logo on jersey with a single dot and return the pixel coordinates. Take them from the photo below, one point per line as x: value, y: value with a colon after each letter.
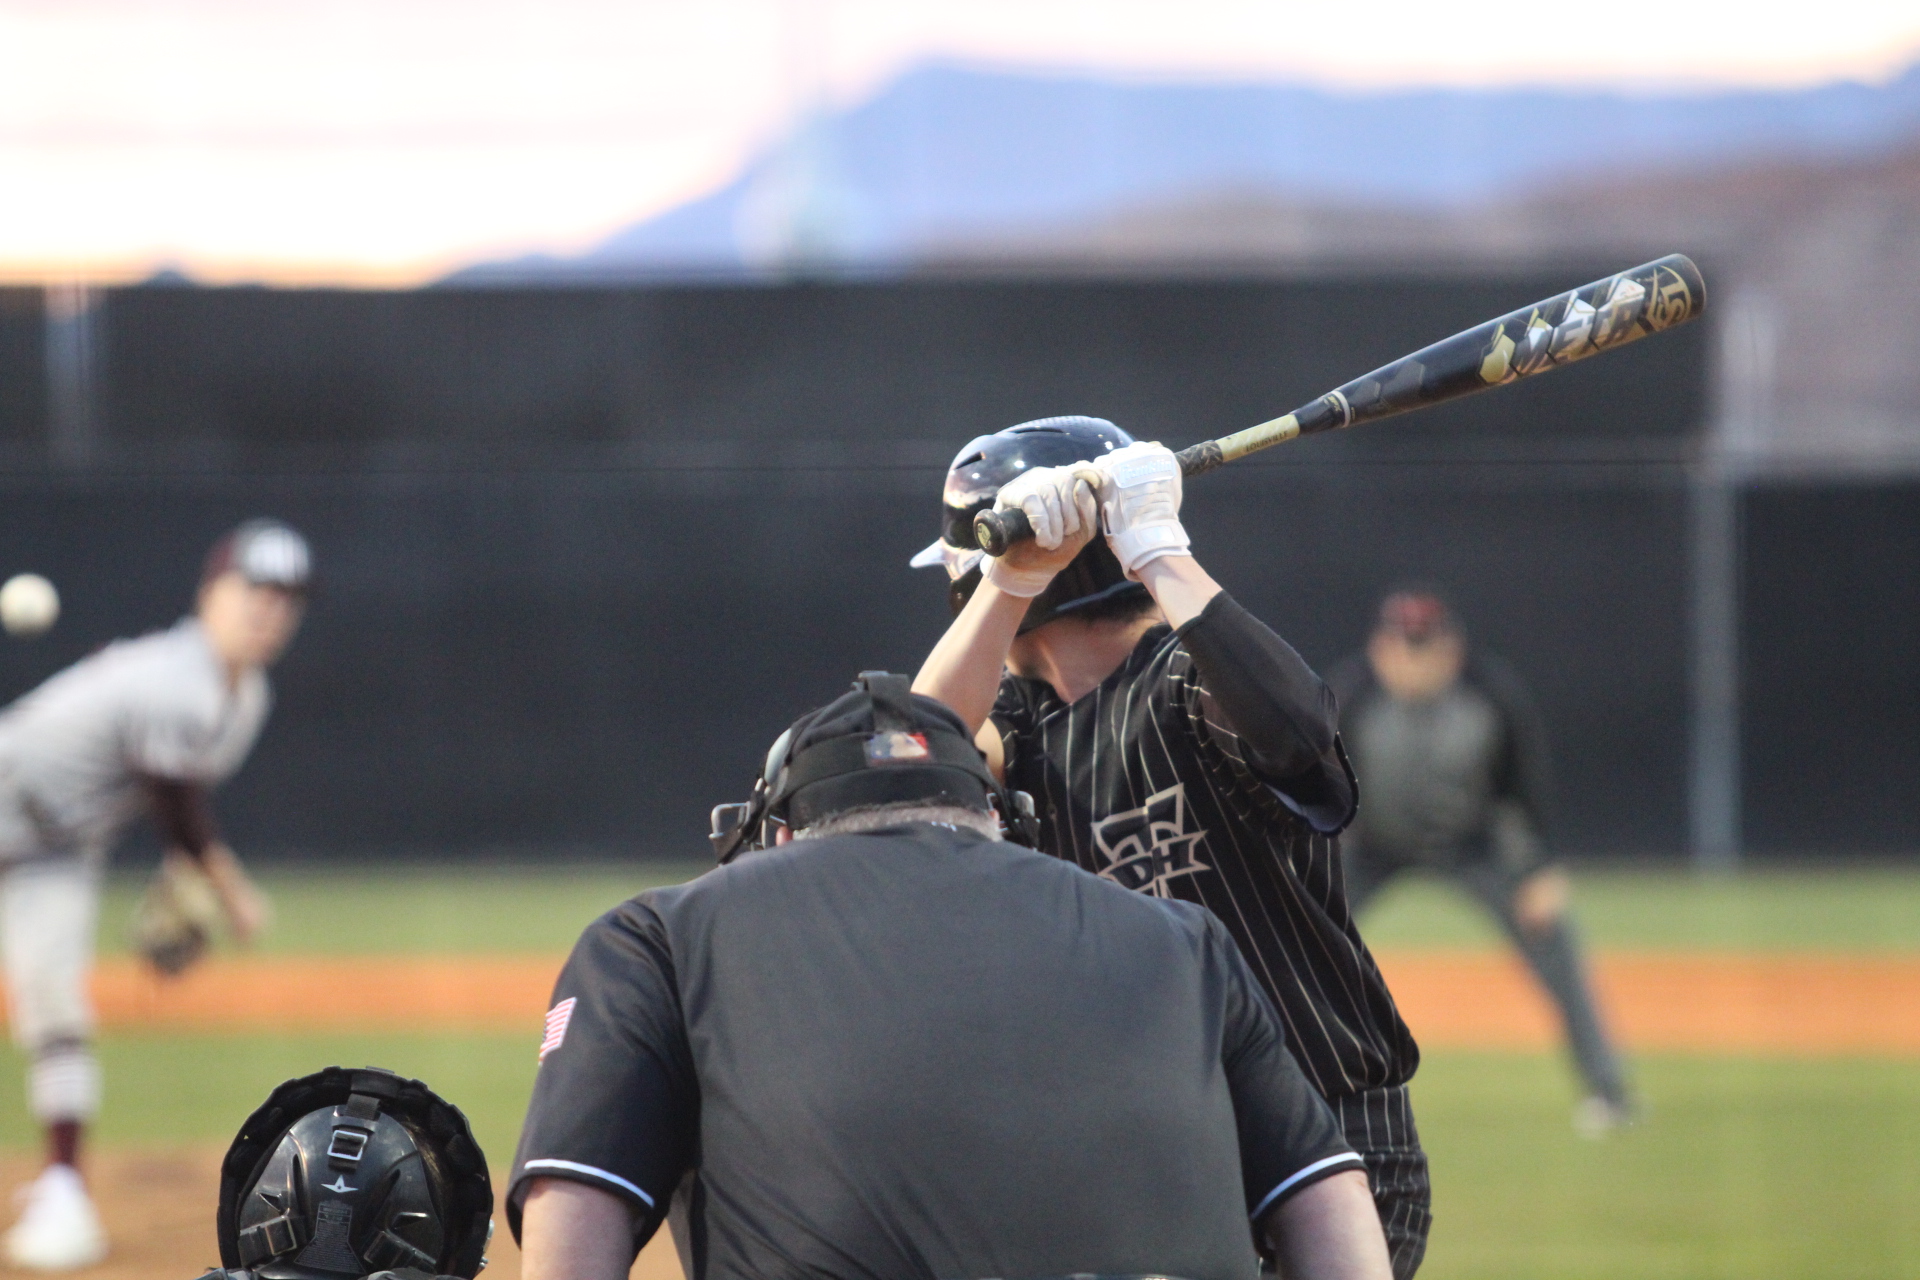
x: 557, y: 1019
x: 1145, y: 848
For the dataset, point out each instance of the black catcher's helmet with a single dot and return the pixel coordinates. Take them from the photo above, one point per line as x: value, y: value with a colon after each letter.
x: 879, y: 744
x: 975, y: 478
x: 348, y: 1172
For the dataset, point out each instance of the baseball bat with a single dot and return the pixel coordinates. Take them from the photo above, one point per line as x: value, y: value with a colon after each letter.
x: 1562, y: 330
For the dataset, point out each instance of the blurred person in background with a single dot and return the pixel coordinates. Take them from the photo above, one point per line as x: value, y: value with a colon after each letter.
x: 1453, y: 762
x: 148, y: 724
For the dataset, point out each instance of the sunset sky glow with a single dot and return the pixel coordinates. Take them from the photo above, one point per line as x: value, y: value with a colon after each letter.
x: 353, y: 142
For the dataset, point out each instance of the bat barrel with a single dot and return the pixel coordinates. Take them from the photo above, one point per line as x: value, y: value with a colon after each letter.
x: 1550, y: 334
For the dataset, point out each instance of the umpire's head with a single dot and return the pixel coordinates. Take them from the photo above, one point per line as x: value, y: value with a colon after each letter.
x: 878, y: 756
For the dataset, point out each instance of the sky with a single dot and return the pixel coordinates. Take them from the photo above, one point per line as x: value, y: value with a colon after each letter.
x: 293, y: 141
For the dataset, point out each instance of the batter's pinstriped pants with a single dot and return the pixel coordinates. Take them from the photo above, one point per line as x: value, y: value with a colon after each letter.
x: 1379, y: 1125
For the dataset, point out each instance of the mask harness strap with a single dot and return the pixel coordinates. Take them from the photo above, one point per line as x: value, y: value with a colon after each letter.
x: 892, y: 701
x: 891, y: 697
x: 893, y: 712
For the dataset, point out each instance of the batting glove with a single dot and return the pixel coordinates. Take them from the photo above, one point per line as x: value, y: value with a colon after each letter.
x: 1060, y: 503
x: 1140, y: 502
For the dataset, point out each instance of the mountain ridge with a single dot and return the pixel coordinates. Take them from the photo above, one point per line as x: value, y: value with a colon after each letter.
x: 947, y: 153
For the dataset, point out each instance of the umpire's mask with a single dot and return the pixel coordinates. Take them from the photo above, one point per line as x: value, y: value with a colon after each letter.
x: 879, y: 744
x: 347, y: 1172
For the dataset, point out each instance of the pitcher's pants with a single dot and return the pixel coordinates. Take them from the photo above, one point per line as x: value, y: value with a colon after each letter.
x: 48, y: 910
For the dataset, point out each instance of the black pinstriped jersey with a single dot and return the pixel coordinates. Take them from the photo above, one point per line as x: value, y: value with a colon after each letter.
x: 1144, y: 782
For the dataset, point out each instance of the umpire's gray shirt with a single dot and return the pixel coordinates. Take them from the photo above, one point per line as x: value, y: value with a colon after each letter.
x: 922, y: 1055
x: 74, y: 751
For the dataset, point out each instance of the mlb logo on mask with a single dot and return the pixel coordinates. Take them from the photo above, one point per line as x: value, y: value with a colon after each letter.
x: 897, y: 748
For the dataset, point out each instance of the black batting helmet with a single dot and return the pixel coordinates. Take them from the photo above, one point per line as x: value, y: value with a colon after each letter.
x: 879, y: 744
x: 975, y: 479
x: 345, y: 1172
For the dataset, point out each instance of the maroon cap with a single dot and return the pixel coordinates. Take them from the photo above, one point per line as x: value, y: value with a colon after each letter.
x: 1416, y: 616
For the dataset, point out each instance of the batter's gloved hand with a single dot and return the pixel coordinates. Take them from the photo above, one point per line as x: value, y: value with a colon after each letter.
x: 1140, y: 505
x: 175, y: 918
x: 1062, y: 505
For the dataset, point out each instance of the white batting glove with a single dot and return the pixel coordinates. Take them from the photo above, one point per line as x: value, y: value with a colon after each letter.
x: 1060, y: 503
x: 1140, y: 502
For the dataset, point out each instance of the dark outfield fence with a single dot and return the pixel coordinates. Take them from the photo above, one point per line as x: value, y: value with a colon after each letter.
x: 585, y: 552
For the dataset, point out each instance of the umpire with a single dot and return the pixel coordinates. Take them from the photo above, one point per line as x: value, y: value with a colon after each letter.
x: 897, y: 1045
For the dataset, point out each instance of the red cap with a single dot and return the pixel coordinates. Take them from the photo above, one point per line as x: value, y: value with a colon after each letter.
x: 1416, y: 616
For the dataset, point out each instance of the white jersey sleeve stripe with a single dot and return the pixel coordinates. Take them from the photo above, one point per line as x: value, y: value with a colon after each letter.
x: 1345, y: 1157
x: 572, y: 1166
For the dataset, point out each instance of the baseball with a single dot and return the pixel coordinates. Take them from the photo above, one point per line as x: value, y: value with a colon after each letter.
x: 28, y: 605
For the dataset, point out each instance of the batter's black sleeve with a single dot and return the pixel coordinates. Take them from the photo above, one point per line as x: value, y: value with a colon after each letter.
x: 183, y: 813
x: 1289, y: 1138
x: 615, y: 1105
x: 1282, y: 713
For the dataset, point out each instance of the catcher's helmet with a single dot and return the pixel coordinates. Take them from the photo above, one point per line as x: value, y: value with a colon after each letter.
x: 879, y: 744
x: 346, y: 1172
x: 978, y: 472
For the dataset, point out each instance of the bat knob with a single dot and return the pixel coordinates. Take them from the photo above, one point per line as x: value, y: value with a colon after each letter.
x: 995, y: 531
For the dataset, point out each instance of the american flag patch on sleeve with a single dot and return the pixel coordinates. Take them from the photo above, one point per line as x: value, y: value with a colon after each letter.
x: 557, y: 1019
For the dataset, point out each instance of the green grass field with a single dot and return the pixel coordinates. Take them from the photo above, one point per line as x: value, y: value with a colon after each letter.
x: 1746, y: 1168
x: 1856, y: 909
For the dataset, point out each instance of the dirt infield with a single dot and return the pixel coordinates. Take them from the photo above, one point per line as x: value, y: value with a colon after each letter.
x: 1778, y: 1003
x: 1789, y: 1004
x: 159, y: 1204
x: 325, y: 993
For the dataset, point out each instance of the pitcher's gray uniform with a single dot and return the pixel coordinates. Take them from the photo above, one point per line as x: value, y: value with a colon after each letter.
x: 78, y: 756
x: 157, y: 720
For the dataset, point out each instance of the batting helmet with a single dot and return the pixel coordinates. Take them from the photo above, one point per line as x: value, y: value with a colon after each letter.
x: 344, y: 1172
x: 879, y: 744
x: 975, y: 478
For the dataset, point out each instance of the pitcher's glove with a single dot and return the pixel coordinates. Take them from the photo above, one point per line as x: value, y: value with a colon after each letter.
x: 173, y: 922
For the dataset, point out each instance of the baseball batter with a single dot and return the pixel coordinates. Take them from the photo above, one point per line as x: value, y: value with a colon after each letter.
x: 1176, y: 746
x: 149, y: 724
x: 1455, y: 762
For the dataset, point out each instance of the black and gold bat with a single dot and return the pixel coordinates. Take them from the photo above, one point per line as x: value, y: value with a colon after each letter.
x: 1562, y: 330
